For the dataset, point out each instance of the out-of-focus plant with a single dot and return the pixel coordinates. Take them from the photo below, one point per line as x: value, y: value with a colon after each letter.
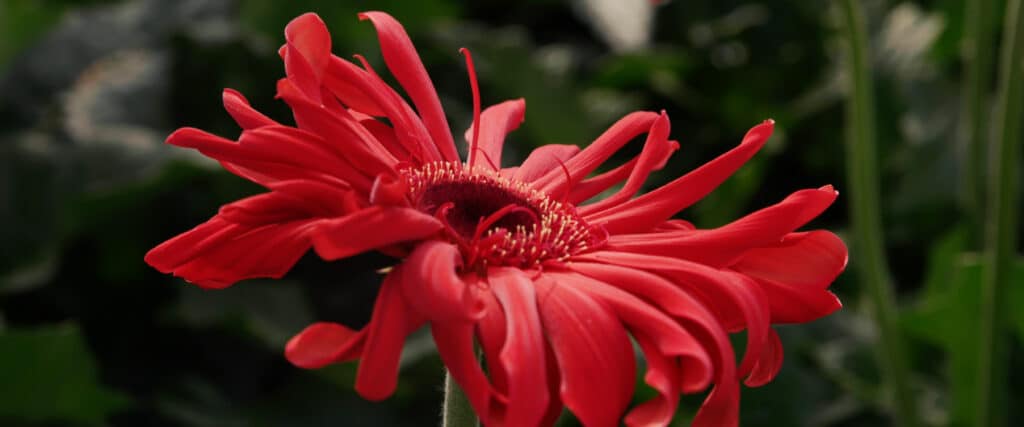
x: 866, y: 216
x: 1001, y: 222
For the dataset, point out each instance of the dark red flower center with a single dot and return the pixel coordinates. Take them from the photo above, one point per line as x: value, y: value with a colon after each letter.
x: 475, y: 200
x: 496, y: 220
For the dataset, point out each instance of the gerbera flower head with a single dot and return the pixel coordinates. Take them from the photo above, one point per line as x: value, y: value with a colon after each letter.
x: 553, y: 288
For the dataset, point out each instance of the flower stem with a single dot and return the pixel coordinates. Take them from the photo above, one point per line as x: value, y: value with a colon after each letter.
x: 457, y: 410
x: 862, y: 170
x: 979, y: 35
x: 1001, y: 221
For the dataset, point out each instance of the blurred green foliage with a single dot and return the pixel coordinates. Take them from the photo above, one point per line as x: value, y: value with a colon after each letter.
x: 53, y: 361
x: 90, y: 335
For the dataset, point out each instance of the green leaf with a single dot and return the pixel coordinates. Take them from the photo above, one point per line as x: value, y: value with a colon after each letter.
x: 948, y: 316
x: 962, y: 340
x: 949, y: 311
x: 928, y: 319
x: 1016, y: 295
x: 53, y: 362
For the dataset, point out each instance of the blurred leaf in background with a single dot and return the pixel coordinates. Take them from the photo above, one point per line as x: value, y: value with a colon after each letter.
x: 50, y: 376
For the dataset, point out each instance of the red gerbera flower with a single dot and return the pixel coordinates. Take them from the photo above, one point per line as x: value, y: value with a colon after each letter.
x: 552, y: 288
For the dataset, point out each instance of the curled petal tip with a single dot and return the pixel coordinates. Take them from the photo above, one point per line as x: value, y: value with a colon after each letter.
x: 760, y: 133
x: 231, y: 97
x: 833, y: 305
x: 318, y: 345
x: 662, y: 119
x: 363, y: 16
x: 181, y: 136
x: 229, y: 93
x: 846, y: 261
x: 374, y: 395
x: 308, y: 17
x: 307, y: 26
x: 153, y: 259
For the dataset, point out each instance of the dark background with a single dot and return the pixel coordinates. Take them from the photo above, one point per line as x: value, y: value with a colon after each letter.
x: 90, y: 335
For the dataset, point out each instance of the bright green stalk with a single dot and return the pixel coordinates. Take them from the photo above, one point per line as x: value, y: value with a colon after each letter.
x: 1001, y: 225
x: 457, y: 410
x: 978, y: 42
x: 862, y: 172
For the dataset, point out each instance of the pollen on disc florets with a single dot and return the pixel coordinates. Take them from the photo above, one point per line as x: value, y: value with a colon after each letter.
x: 498, y: 221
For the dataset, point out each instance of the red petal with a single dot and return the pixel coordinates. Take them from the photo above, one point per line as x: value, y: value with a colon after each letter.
x: 648, y: 210
x: 543, y: 159
x: 308, y: 34
x: 722, y: 287
x: 721, y: 408
x: 795, y: 273
x: 722, y: 405
x: 769, y: 364
x: 196, y: 138
x: 371, y: 228
x: 495, y: 123
x: 240, y: 110
x: 491, y: 332
x: 218, y: 253
x: 317, y: 196
x: 354, y: 96
x: 273, y: 153
x: 434, y: 288
x: 523, y: 355
x: 673, y: 225
x: 183, y: 248
x: 455, y: 345
x: 410, y: 130
x: 323, y: 343
x: 593, y: 186
x: 580, y: 165
x: 341, y: 133
x: 404, y: 63
x: 555, y: 406
x: 391, y: 323
x: 676, y: 301
x: 722, y: 246
x: 663, y: 376
x: 644, y: 319
x: 593, y: 351
x: 307, y: 52
x: 289, y: 201
x: 389, y: 190
x: 809, y: 260
x: 655, y: 152
x: 297, y: 148
x: 789, y: 304
x: 386, y: 135
x: 266, y: 208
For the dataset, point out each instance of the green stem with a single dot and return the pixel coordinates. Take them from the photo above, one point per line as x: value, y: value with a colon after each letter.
x: 862, y: 170
x: 457, y: 410
x: 1001, y: 219
x: 978, y: 42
